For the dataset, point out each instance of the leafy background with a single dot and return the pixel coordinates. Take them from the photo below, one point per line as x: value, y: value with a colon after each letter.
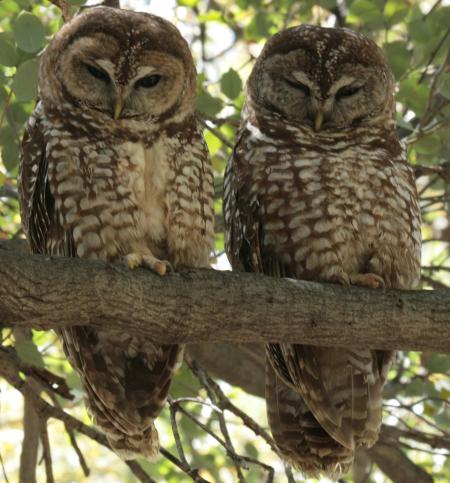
x: 226, y: 37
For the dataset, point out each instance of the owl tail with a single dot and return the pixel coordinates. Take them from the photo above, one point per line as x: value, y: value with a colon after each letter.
x: 343, y: 390
x: 126, y: 380
x: 300, y: 438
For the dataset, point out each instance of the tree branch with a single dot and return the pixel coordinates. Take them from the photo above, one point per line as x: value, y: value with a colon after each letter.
x: 205, y: 305
x: 31, y: 428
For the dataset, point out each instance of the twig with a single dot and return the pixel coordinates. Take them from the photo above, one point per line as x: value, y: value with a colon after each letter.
x: 31, y: 426
x: 3, y: 469
x: 224, y: 403
x: 6, y: 107
x: 432, y: 440
x: 7, y: 191
x: 433, y: 55
x: 176, y: 434
x: 217, y: 133
x: 73, y: 440
x: 46, y: 452
x: 64, y: 7
x: 10, y: 371
x: 223, y: 443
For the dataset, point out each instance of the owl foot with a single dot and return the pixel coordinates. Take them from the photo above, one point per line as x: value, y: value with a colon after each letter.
x: 369, y: 280
x: 161, y: 267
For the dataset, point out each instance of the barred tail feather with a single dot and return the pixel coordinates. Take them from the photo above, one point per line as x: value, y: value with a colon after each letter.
x: 300, y: 438
x: 126, y: 381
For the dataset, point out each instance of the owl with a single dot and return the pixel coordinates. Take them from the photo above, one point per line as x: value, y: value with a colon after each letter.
x: 114, y: 167
x: 318, y: 188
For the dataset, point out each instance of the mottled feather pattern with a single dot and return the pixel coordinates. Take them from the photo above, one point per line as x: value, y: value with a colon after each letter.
x: 337, y: 204
x: 139, y: 188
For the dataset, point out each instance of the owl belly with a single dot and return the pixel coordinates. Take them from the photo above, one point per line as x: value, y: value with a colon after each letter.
x: 329, y: 221
x: 108, y: 198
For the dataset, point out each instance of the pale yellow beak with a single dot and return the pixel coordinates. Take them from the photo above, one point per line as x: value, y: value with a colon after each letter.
x: 118, y: 106
x: 318, y: 121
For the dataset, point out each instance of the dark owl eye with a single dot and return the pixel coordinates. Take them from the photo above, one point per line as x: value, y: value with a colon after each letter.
x: 98, y: 73
x: 299, y: 86
x: 347, y: 91
x: 148, y: 81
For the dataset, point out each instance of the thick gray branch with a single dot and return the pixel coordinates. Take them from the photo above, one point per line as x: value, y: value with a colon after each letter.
x: 205, y: 305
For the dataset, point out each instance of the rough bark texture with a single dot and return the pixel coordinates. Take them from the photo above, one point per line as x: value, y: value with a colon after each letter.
x: 209, y: 306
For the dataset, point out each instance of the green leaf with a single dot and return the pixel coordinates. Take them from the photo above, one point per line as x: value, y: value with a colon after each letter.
x: 10, y: 155
x: 428, y: 145
x: 231, y: 84
x: 403, y: 123
x: 438, y: 363
x: 29, y: 353
x: 213, y: 142
x: 188, y: 3
x: 259, y: 27
x: 363, y: 11
x: 8, y: 54
x: 413, y: 95
x: 25, y: 81
x: 395, y: 11
x: 444, y: 86
x: 208, y: 104
x: 29, y: 32
x: 399, y: 57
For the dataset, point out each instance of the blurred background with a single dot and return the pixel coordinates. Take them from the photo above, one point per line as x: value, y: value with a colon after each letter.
x: 226, y: 37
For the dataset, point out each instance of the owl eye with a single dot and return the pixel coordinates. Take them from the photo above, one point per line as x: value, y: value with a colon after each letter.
x: 299, y: 86
x: 148, y: 81
x: 98, y: 73
x: 347, y: 91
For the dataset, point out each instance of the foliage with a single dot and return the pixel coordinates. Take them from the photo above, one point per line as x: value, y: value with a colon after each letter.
x: 226, y: 37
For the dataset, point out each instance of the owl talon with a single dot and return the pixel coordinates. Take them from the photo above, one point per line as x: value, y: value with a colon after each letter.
x: 161, y: 267
x: 369, y: 280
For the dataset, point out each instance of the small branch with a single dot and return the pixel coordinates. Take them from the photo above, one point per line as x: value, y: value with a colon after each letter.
x: 64, y: 7
x: 217, y: 133
x: 7, y: 191
x: 46, y: 452
x: 31, y: 427
x: 9, y: 370
x: 5, y: 476
x: 396, y: 465
x: 225, y: 404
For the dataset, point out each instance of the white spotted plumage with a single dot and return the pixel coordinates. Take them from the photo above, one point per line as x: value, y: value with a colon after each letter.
x: 110, y: 170
x: 318, y: 188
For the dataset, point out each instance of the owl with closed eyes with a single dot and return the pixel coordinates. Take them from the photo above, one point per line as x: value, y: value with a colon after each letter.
x: 319, y: 189
x: 114, y: 167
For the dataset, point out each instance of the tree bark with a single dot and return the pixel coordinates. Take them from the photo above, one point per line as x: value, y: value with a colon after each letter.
x: 195, y: 306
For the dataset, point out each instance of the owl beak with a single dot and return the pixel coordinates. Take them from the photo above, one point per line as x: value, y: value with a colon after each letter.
x: 118, y: 106
x: 318, y: 121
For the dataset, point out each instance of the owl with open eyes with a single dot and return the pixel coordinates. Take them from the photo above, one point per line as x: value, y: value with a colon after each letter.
x: 318, y: 188
x: 114, y: 166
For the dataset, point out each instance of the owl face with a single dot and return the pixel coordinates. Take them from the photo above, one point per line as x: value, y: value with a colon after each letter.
x: 322, y: 78
x: 123, y: 64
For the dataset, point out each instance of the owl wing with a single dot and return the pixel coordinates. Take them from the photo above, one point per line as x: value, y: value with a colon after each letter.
x: 240, y: 207
x: 126, y: 380
x: 37, y: 205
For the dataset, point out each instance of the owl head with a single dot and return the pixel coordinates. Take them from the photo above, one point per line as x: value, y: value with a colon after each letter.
x: 324, y: 78
x: 120, y: 64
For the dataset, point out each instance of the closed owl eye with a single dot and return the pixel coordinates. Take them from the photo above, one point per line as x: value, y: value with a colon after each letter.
x: 299, y: 86
x: 148, y: 81
x: 347, y: 91
x: 98, y: 73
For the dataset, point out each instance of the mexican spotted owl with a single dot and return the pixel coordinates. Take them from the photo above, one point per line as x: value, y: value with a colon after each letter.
x: 114, y: 167
x: 318, y: 188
